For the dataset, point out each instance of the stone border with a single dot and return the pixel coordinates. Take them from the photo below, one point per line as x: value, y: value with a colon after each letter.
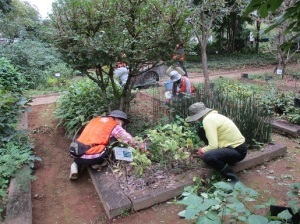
x: 286, y: 128
x: 116, y: 202
x: 19, y: 207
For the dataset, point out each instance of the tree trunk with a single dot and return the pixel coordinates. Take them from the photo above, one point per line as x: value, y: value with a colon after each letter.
x: 257, y: 37
x: 204, y: 65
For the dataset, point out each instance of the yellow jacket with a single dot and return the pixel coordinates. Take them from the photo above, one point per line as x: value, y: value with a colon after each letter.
x: 221, y: 132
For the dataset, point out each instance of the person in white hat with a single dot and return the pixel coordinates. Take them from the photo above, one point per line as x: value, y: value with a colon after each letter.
x: 225, y: 143
x: 181, y: 84
x: 90, y: 148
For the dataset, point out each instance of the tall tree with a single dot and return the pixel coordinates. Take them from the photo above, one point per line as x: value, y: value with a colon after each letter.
x: 207, y: 14
x: 97, y: 34
x: 19, y: 21
x: 229, y: 31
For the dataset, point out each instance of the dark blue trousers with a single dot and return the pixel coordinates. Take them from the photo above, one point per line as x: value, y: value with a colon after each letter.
x: 218, y: 158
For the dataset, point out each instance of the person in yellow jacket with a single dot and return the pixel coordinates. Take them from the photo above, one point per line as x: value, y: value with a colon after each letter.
x: 95, y: 138
x: 225, y: 145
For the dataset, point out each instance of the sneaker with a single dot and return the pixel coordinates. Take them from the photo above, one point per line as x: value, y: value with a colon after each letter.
x: 97, y: 166
x: 73, y: 171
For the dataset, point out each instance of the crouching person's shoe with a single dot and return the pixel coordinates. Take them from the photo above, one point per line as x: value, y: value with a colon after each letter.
x: 230, y: 175
x: 73, y: 171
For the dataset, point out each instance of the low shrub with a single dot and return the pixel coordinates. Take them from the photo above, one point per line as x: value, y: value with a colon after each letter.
x: 80, y: 103
x: 15, y: 148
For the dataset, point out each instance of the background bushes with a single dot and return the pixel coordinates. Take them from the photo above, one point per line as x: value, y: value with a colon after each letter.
x: 81, y: 102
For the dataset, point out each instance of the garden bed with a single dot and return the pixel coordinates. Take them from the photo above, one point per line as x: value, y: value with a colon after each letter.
x: 117, y: 200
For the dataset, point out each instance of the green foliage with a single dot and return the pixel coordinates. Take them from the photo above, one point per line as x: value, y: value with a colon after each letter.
x: 33, y: 59
x: 82, y: 101
x: 233, y: 61
x: 138, y: 33
x: 140, y: 162
x: 219, y: 203
x: 11, y: 101
x: 263, y: 7
x: 172, y: 143
x: 224, y: 203
x: 10, y: 79
x: 281, y: 104
x: 15, y: 149
x: 13, y: 155
x: 21, y: 20
x: 236, y: 101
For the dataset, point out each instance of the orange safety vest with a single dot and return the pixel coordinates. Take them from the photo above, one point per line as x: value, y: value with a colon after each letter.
x: 97, y: 134
x: 183, y: 85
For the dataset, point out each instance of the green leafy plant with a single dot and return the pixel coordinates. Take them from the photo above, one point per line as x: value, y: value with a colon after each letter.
x: 10, y: 78
x: 172, y: 143
x: 224, y: 203
x: 13, y: 155
x: 140, y: 162
x: 82, y: 101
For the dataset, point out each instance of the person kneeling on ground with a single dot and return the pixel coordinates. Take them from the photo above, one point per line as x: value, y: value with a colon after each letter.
x: 97, y: 135
x: 225, y: 145
x: 181, y: 84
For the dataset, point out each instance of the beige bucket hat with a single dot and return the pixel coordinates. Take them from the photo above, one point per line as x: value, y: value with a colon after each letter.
x: 174, y: 76
x: 196, y: 111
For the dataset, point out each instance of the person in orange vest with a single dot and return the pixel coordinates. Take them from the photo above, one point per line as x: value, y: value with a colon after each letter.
x: 95, y: 138
x: 180, y: 57
x: 181, y: 84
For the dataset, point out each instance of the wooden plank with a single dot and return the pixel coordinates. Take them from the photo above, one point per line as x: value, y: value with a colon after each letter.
x: 114, y: 200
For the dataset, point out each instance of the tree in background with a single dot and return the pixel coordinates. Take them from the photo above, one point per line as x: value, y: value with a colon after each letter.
x: 205, y: 16
x: 229, y: 30
x: 97, y: 34
x: 20, y: 21
x: 283, y: 19
x: 291, y: 15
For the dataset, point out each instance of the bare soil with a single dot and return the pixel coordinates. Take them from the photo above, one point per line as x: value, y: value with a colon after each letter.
x: 56, y: 199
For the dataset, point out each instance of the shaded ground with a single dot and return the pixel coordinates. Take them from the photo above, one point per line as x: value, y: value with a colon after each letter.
x: 56, y: 199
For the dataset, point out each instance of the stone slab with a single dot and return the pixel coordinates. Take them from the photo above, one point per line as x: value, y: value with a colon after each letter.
x: 255, y: 158
x: 19, y: 207
x: 116, y: 202
x: 286, y: 128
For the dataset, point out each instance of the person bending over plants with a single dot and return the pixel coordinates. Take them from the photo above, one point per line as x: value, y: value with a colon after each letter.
x: 91, y: 147
x: 225, y: 145
x: 181, y: 84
